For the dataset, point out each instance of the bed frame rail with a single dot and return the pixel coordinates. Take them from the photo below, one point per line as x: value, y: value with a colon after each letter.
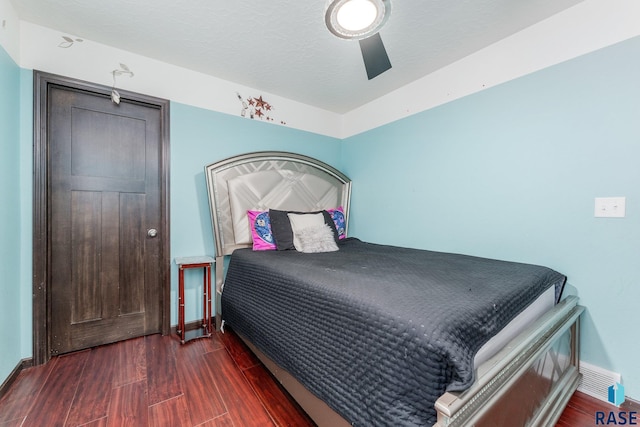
x: 541, y: 364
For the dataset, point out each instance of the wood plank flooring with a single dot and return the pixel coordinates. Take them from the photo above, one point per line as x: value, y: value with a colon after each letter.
x: 156, y: 381
x: 582, y: 408
x: 152, y: 381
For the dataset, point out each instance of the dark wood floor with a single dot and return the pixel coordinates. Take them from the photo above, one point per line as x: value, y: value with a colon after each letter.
x: 156, y: 381
x: 581, y: 411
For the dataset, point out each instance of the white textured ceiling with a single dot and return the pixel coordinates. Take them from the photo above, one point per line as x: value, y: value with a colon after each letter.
x: 283, y: 46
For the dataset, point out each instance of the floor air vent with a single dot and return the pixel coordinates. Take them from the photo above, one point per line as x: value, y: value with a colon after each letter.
x: 596, y: 381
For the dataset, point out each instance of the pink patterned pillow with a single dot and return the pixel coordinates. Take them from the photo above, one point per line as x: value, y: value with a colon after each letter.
x: 337, y: 215
x: 260, y: 225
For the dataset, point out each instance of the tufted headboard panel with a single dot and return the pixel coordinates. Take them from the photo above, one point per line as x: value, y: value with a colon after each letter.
x: 268, y: 180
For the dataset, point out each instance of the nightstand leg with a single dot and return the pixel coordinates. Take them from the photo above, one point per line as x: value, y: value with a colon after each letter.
x: 181, y: 304
x: 204, y: 301
x: 208, y: 300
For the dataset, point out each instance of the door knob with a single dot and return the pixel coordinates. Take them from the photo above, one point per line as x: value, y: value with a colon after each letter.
x: 152, y: 232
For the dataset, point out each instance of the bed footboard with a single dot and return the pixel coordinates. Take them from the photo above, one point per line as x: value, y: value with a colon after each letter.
x: 529, y: 382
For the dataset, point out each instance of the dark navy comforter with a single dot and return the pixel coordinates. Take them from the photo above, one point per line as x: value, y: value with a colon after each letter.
x: 377, y: 332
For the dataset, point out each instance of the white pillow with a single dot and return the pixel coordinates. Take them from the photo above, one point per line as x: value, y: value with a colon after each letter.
x: 310, y: 233
x: 317, y: 239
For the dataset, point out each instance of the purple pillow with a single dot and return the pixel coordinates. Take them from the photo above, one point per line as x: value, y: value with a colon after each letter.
x: 337, y: 215
x: 261, y: 234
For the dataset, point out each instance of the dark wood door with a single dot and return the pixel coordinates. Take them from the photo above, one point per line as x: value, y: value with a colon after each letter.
x: 105, y: 202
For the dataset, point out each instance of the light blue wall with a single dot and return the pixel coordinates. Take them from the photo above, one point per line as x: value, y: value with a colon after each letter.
x: 200, y: 137
x: 512, y: 173
x: 10, y: 239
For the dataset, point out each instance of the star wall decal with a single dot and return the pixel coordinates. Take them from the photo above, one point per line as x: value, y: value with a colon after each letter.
x: 253, y: 108
x: 259, y: 102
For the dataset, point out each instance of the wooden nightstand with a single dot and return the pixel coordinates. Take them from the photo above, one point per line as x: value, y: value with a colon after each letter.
x: 206, y: 328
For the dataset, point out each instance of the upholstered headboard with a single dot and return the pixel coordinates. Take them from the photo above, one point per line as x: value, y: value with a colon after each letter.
x: 267, y: 180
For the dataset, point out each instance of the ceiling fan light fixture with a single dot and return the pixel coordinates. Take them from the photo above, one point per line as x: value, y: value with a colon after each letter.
x: 357, y: 19
x: 356, y: 15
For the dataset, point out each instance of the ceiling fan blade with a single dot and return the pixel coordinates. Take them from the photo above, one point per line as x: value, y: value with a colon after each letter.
x: 375, y: 56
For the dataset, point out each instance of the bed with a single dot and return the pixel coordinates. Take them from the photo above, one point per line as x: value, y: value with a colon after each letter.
x: 351, y: 334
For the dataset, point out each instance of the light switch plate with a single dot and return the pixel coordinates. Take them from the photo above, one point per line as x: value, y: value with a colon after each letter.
x: 610, y: 207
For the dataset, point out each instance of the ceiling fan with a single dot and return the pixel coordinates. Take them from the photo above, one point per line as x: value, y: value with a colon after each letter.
x: 362, y: 20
